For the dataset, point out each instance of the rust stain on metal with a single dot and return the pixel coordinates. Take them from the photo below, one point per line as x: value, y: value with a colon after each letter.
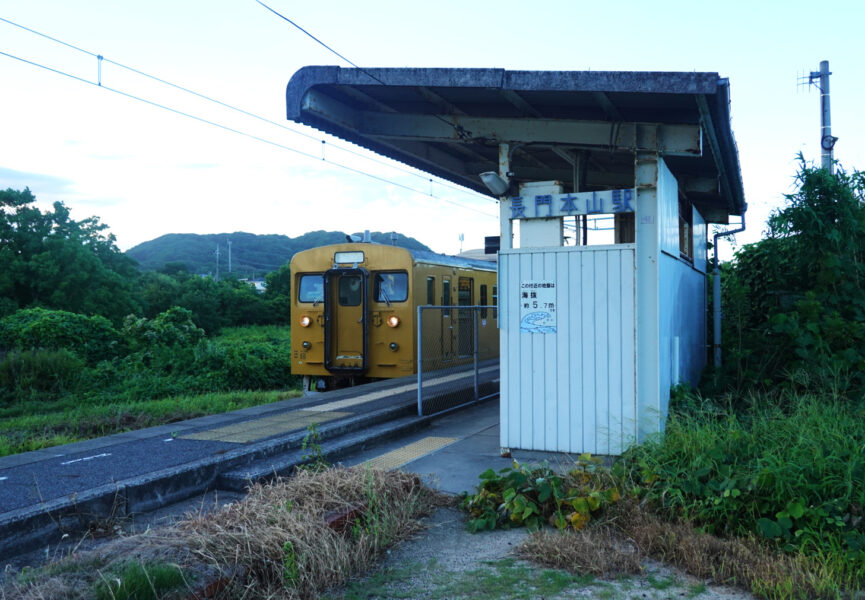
x: 341, y: 521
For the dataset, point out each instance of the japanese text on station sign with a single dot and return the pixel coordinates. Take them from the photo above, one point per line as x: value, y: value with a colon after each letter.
x: 546, y: 206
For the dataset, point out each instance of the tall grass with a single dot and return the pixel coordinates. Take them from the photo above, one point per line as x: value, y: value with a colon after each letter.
x: 788, y: 470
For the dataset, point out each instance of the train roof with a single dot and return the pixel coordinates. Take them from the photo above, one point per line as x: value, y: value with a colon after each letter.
x: 452, y: 261
x: 423, y: 256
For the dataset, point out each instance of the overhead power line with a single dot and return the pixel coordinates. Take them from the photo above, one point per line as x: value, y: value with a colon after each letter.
x: 236, y: 109
x: 460, y: 131
x: 242, y: 133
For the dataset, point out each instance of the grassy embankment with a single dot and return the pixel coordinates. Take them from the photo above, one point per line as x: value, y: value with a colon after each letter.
x: 145, y: 389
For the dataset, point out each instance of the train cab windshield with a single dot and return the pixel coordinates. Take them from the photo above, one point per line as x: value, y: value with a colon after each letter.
x: 311, y: 289
x: 391, y: 287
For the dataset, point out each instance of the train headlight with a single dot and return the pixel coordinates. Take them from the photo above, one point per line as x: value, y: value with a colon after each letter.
x: 392, y: 321
x: 305, y: 321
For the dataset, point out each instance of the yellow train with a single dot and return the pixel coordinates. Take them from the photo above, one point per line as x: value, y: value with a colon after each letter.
x: 354, y: 312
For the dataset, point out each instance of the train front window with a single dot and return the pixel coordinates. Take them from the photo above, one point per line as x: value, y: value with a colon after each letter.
x: 391, y: 287
x: 350, y: 290
x: 311, y: 289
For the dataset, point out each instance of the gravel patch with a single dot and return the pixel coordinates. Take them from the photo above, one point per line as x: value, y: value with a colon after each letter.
x: 447, y: 562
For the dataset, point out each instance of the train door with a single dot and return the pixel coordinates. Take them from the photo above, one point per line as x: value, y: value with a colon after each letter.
x: 465, y: 341
x: 346, y: 335
x: 447, y: 322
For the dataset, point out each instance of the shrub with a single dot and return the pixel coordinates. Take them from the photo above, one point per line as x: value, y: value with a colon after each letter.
x: 28, y: 373
x: 790, y: 472
x: 795, y: 301
x: 172, y: 328
x: 249, y: 366
x: 91, y: 337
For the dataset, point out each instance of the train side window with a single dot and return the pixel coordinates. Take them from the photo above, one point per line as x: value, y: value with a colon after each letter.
x: 464, y: 291
x: 350, y: 290
x: 483, y: 300
x: 446, y: 297
x: 495, y: 301
x: 431, y: 290
x: 391, y: 287
x: 311, y: 289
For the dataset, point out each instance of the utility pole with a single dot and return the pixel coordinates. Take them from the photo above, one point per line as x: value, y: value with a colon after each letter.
x: 217, y: 262
x: 827, y: 140
x: 229, y: 255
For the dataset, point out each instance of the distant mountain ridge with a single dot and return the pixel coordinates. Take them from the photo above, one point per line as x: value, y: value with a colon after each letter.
x: 251, y: 254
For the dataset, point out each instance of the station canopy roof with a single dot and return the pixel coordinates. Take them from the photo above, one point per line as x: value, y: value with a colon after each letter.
x: 450, y: 122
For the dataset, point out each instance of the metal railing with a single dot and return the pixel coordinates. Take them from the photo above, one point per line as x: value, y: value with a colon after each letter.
x: 455, y: 344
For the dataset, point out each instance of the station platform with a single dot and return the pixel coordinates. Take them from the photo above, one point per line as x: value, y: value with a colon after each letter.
x: 65, y: 489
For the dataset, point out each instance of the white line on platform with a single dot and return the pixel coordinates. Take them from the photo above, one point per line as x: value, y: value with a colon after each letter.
x: 86, y: 458
x: 338, y: 404
x: 3, y: 478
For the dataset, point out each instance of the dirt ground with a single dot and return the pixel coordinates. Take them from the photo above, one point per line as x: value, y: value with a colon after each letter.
x: 447, y: 562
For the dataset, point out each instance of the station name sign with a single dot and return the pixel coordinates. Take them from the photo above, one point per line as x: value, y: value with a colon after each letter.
x: 546, y: 206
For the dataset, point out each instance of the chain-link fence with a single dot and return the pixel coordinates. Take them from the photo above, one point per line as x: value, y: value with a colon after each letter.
x: 457, y: 355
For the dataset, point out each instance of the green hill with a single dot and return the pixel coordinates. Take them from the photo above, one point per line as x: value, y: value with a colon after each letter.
x: 251, y: 254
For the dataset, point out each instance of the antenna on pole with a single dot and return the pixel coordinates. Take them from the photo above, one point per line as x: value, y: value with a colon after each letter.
x: 229, y: 255
x: 827, y: 140
x: 462, y: 237
x: 217, y: 262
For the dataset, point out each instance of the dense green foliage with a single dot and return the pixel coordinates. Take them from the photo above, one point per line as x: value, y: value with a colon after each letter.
x: 251, y: 255
x: 54, y: 261
x: 791, y: 472
x: 145, y: 359
x: 794, y: 303
x: 145, y: 377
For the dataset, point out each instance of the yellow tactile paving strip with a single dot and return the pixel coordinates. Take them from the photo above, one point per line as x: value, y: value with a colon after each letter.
x: 406, y: 454
x: 257, y: 429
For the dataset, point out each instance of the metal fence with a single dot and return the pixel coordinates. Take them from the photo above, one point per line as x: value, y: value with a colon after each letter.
x: 457, y: 356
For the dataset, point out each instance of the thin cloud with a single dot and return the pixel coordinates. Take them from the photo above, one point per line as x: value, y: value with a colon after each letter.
x: 37, y: 182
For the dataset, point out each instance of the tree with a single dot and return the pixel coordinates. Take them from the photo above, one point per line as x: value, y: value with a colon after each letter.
x: 799, y: 294
x: 53, y: 261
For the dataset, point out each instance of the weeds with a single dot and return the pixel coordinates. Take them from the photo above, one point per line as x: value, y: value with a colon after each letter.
x: 274, y: 543
x: 793, y: 476
x: 313, y: 458
x: 136, y: 581
x: 533, y: 495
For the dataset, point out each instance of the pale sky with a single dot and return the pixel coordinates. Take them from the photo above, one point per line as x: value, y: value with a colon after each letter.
x: 146, y: 172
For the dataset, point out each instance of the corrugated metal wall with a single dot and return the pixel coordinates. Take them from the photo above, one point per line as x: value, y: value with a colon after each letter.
x: 573, y: 390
